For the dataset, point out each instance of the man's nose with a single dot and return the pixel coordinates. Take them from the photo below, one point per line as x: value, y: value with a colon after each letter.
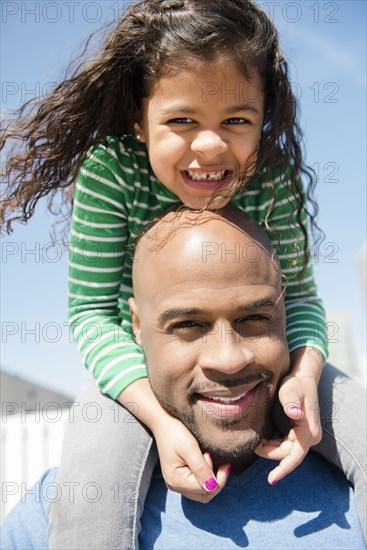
x: 225, y: 351
x: 209, y: 144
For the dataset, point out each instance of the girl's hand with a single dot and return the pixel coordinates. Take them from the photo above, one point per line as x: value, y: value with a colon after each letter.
x: 298, y: 396
x: 184, y: 468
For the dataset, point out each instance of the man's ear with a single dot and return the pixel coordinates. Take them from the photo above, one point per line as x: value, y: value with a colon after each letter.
x: 135, y: 319
x: 139, y: 130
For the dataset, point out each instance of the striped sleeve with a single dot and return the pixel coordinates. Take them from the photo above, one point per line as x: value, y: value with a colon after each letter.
x: 116, y: 195
x: 305, y: 315
x: 98, y: 258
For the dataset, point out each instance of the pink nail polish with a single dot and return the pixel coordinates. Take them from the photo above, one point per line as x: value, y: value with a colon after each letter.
x: 210, y: 484
x: 296, y: 408
x: 274, y: 482
x: 228, y: 470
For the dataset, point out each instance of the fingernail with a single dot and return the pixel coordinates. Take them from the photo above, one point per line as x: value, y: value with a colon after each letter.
x: 274, y: 482
x: 228, y: 470
x: 210, y: 484
x: 296, y: 407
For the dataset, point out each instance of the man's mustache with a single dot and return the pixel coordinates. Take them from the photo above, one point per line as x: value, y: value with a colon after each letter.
x: 227, y: 383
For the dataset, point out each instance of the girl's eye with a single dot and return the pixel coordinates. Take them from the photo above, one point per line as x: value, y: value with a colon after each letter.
x: 181, y: 120
x: 237, y: 120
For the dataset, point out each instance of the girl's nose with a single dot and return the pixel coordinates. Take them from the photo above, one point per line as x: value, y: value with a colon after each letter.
x: 209, y: 144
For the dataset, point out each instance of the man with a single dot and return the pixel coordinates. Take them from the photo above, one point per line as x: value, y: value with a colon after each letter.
x: 208, y: 312
x: 212, y: 317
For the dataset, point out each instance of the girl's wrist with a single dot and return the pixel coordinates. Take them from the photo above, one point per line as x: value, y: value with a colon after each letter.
x: 146, y: 407
x: 160, y: 420
x: 307, y: 362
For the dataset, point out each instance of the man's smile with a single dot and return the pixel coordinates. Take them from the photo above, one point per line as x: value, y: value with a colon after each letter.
x: 229, y: 403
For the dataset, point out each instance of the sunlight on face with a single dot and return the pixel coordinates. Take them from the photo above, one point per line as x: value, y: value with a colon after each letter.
x: 201, y: 126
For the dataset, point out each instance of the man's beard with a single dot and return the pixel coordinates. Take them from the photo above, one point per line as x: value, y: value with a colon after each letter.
x: 227, y: 455
x: 238, y: 451
x: 241, y: 450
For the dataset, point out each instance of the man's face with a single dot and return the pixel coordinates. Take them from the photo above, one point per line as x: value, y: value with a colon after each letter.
x: 211, y: 322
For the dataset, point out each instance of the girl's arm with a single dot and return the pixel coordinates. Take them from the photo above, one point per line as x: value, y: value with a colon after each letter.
x: 298, y: 396
x: 305, y: 331
x: 182, y: 464
x: 341, y: 401
x: 107, y: 189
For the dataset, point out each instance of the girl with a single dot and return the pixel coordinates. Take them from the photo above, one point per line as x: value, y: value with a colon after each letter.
x: 187, y: 100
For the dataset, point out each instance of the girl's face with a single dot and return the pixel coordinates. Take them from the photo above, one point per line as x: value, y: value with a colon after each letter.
x: 201, y: 126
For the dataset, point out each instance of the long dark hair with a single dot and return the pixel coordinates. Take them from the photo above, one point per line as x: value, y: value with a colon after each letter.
x: 47, y: 139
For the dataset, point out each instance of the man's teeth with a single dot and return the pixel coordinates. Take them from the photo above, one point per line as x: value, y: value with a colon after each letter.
x: 227, y: 400
x: 200, y: 176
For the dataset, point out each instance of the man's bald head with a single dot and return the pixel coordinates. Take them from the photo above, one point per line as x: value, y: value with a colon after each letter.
x: 211, y: 237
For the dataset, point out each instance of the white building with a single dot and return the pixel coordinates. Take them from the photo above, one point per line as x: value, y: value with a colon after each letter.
x: 341, y: 349
x: 33, y: 421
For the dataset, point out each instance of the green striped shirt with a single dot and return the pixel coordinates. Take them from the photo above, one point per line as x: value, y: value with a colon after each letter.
x: 116, y: 195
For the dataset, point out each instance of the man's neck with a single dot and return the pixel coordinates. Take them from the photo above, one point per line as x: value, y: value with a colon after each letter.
x: 240, y: 464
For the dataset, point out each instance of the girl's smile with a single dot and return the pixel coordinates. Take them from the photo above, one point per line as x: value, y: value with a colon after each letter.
x: 206, y: 179
x: 201, y: 127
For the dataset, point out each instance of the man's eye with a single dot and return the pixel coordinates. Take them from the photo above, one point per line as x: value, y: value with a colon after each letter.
x: 188, y: 331
x: 256, y: 317
x: 255, y: 325
x: 185, y: 325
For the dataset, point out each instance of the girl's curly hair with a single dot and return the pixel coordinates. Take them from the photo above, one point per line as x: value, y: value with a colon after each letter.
x: 47, y: 139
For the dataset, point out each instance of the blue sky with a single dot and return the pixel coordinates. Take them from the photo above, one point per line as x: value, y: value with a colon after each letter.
x: 325, y: 43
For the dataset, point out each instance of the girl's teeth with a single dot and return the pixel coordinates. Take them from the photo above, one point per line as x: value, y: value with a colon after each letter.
x: 215, y: 176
